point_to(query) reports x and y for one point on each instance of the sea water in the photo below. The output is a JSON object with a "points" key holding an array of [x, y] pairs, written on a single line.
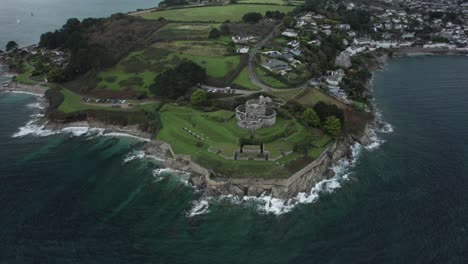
{"points": [[81, 197]]}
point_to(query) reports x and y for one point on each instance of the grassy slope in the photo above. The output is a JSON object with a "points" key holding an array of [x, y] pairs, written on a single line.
{"points": [[276, 2], [222, 136], [23, 78], [214, 13], [150, 62], [244, 80], [313, 96], [72, 103], [185, 30], [267, 79]]}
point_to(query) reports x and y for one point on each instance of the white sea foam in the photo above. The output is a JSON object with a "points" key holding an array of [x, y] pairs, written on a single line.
{"points": [[37, 105], [135, 155], [21, 92], [118, 134], [270, 205], [81, 131], [199, 207], [32, 128]]}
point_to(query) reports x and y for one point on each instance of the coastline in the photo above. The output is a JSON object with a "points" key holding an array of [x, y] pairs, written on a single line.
{"points": [[303, 186]]}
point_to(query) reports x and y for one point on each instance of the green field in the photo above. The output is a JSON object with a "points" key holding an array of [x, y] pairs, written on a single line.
{"points": [[221, 134], [285, 94], [23, 78], [244, 80], [313, 96], [275, 2], [184, 30], [72, 102], [138, 70], [267, 78], [214, 13]]}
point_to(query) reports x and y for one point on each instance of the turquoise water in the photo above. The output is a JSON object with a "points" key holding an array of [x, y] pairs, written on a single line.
{"points": [[74, 199], [25, 20]]}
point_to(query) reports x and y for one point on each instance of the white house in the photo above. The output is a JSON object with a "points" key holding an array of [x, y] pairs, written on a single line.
{"points": [[243, 50], [290, 33]]}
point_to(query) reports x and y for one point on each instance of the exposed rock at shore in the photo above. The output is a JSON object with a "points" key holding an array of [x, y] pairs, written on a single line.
{"points": [[302, 181]]}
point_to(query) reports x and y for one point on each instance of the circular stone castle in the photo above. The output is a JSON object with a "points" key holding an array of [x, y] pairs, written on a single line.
{"points": [[255, 114]]}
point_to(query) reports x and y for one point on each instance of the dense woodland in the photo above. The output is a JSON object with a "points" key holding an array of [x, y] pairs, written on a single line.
{"points": [[94, 44]]}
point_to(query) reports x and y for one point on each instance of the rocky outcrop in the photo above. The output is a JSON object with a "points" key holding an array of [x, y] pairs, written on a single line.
{"points": [[302, 181]]}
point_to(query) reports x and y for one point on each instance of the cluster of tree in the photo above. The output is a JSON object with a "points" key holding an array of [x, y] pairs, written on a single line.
{"points": [[11, 45], [289, 22], [176, 82], [359, 19], [214, 33], [331, 124], [314, 5], [325, 110], [224, 29], [321, 58], [326, 116], [166, 3], [277, 15], [252, 17], [83, 55], [357, 77]]}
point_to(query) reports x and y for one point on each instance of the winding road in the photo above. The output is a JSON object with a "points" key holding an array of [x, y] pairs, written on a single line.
{"points": [[252, 56]]}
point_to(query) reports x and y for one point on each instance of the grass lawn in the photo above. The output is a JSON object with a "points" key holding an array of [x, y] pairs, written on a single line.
{"points": [[139, 69], [23, 78], [286, 94], [276, 2], [313, 96], [215, 13], [266, 78], [211, 55], [220, 133], [244, 80], [185, 30], [72, 103]]}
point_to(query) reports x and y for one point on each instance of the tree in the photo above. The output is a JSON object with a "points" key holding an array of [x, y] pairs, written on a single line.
{"points": [[176, 82], [289, 21], [56, 75], [199, 97], [325, 110], [332, 125], [310, 117], [214, 33], [252, 17], [225, 30], [11, 45]]}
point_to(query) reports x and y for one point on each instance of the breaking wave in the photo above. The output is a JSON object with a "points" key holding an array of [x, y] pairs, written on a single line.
{"points": [[342, 172], [36, 127]]}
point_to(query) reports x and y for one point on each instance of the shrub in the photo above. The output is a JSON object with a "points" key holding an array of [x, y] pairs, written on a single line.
{"points": [[252, 17], [310, 117], [332, 125], [214, 33], [110, 79], [199, 97], [176, 82]]}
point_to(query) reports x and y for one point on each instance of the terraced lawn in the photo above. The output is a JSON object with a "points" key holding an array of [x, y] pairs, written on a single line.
{"points": [[139, 69], [184, 30], [218, 14], [221, 134]]}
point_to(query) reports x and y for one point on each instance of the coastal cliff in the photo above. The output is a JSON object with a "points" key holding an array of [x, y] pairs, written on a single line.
{"points": [[302, 181]]}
